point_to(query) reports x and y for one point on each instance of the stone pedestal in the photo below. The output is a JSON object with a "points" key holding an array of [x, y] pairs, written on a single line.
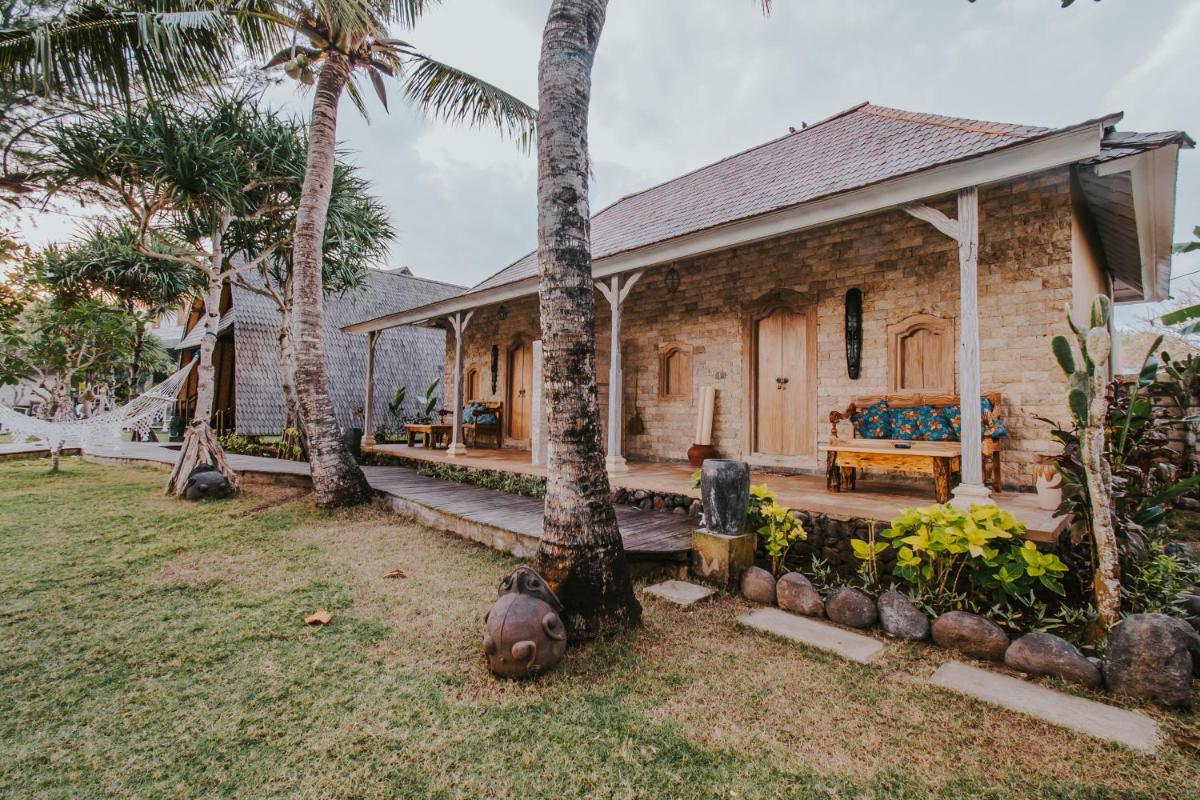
{"points": [[720, 558]]}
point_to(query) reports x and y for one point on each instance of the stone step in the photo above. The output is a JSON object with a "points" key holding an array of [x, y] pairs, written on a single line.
{"points": [[1135, 731], [814, 633], [681, 593]]}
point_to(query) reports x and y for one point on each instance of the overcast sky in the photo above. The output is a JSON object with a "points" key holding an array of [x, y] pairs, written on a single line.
{"points": [[681, 83]]}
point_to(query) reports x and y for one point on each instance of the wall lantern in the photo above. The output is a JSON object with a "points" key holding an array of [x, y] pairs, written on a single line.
{"points": [[502, 312], [672, 280]]}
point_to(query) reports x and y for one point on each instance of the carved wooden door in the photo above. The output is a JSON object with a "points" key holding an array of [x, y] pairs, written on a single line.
{"points": [[520, 391], [783, 417]]}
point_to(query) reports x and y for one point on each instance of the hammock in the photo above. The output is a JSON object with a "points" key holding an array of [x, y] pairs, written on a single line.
{"points": [[140, 414]]}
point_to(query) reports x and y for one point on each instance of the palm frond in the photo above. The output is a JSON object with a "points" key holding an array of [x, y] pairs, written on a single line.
{"points": [[455, 96]]}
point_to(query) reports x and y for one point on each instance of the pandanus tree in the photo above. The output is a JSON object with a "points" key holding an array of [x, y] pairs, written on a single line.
{"points": [[323, 43], [357, 231], [106, 264], [192, 180]]}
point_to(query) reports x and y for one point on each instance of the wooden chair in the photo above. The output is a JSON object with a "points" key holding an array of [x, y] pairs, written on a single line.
{"points": [[840, 476], [471, 430]]}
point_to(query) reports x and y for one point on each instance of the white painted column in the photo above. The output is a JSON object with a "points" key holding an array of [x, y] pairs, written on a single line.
{"points": [[539, 435], [971, 490], [965, 231], [615, 292], [458, 323], [369, 391]]}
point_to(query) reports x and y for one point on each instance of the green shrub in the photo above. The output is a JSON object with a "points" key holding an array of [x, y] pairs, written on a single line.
{"points": [[1154, 580], [954, 558], [780, 531]]}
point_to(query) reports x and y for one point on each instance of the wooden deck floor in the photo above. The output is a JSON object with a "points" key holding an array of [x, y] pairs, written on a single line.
{"points": [[873, 499], [507, 522]]}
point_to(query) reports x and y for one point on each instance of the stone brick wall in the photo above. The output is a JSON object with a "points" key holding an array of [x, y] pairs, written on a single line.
{"points": [[903, 266]]}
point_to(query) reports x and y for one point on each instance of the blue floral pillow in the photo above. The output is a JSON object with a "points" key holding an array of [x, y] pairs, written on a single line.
{"points": [[904, 422], [995, 428], [932, 425], [874, 423], [486, 417], [472, 412]]}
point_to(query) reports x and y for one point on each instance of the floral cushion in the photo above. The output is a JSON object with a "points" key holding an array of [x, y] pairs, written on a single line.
{"points": [[873, 423], [472, 411], [995, 428], [904, 422], [932, 425], [486, 418]]}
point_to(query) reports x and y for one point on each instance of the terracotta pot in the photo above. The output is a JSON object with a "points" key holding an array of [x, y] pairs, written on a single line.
{"points": [[697, 454]]}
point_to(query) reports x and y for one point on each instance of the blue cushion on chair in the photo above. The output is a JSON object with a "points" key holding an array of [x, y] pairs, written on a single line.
{"points": [[486, 418], [904, 422], [932, 425], [471, 412], [873, 423], [994, 429]]}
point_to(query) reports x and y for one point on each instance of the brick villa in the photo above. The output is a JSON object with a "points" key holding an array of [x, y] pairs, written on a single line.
{"points": [[965, 238]]}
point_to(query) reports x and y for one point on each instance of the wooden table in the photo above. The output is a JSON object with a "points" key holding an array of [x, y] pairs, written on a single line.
{"points": [[431, 435], [936, 459]]}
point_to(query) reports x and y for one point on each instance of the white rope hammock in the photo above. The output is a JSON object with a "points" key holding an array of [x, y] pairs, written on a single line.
{"points": [[140, 414]]}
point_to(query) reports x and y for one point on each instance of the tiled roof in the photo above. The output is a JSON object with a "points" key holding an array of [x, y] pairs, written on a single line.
{"points": [[408, 356], [861, 146]]}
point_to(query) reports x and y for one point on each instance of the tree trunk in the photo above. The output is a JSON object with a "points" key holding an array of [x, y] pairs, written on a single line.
{"points": [[337, 478], [1106, 582], [581, 554], [292, 418], [200, 445]]}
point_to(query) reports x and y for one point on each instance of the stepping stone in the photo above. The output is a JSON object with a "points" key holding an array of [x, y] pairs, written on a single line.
{"points": [[681, 593], [814, 633], [1135, 731]]}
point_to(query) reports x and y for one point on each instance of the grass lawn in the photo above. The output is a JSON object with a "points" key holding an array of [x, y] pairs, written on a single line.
{"points": [[154, 648]]}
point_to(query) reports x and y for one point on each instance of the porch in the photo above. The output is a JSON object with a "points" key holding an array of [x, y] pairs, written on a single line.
{"points": [[874, 498]]}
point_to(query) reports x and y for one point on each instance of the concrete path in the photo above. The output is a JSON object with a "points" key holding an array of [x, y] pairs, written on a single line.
{"points": [[681, 593], [814, 633], [1135, 731], [506, 522]]}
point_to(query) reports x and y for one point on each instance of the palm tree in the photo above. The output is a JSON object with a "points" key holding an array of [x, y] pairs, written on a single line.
{"points": [[581, 554], [357, 232], [189, 40]]}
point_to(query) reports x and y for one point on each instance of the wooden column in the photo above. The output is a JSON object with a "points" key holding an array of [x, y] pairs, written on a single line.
{"points": [[538, 434], [369, 392], [965, 231], [458, 323], [615, 291]]}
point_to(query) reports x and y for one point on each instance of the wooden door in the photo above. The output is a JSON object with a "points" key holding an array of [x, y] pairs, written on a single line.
{"points": [[783, 414], [520, 391], [472, 385]]}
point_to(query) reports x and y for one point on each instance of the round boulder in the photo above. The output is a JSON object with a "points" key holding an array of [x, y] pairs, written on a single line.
{"points": [[901, 619], [758, 585], [852, 607], [1047, 654], [797, 595], [971, 635], [206, 482], [1151, 656]]}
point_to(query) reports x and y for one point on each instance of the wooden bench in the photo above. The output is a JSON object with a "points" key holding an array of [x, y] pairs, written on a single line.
{"points": [[845, 457], [472, 430]]}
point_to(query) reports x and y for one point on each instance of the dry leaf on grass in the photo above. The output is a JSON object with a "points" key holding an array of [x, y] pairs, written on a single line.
{"points": [[1187, 743], [318, 617], [396, 573]]}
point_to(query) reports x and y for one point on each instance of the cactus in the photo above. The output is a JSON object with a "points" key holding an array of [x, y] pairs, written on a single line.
{"points": [[1089, 407]]}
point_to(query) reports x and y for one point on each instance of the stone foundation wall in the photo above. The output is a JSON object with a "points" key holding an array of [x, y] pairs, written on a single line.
{"points": [[903, 267]]}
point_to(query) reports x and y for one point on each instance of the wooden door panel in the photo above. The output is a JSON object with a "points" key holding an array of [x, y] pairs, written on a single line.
{"points": [[794, 369], [769, 417], [784, 414], [520, 386]]}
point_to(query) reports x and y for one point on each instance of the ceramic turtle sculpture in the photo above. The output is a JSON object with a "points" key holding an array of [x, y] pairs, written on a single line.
{"points": [[524, 634]]}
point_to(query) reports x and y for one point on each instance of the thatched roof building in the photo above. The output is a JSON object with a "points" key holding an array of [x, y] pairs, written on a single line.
{"points": [[249, 394]]}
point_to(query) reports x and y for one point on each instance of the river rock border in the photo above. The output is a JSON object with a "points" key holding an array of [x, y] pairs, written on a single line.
{"points": [[1149, 656]]}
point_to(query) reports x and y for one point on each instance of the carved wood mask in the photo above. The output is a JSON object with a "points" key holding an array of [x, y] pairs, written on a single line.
{"points": [[853, 333], [495, 367]]}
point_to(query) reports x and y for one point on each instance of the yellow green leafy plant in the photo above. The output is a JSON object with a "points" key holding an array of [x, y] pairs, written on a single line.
{"points": [[778, 533], [943, 550]]}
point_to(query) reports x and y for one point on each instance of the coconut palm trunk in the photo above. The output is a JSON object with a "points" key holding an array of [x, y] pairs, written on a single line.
{"points": [[581, 554], [337, 479]]}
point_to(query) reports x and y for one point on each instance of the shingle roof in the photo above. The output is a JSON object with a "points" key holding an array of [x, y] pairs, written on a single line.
{"points": [[863, 145], [410, 357]]}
